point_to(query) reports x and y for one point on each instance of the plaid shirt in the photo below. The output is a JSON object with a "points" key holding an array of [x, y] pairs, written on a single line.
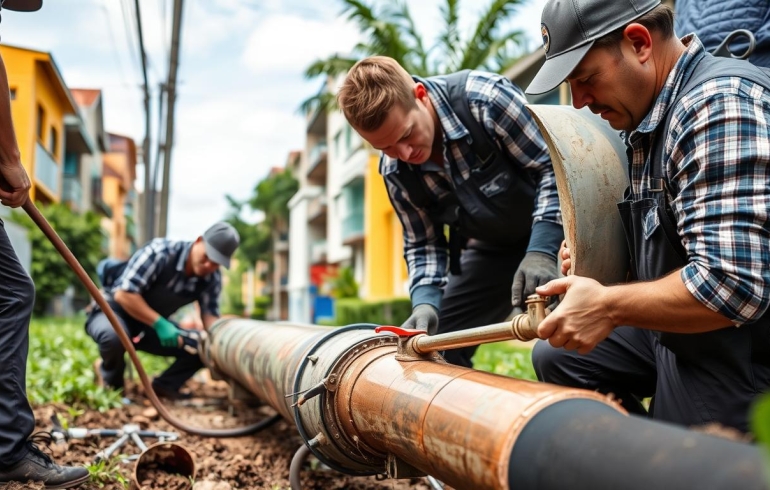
{"points": [[717, 155], [498, 105], [148, 262]]}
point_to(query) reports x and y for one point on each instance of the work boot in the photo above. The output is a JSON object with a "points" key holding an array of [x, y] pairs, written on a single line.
{"points": [[169, 393], [37, 466]]}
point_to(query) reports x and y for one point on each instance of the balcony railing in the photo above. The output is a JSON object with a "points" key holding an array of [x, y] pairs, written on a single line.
{"points": [[97, 200], [316, 157], [318, 251], [353, 226], [316, 207], [46, 169], [72, 191]]}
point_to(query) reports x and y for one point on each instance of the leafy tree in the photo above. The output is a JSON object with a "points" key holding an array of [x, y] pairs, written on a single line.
{"points": [[51, 274], [272, 195], [255, 238], [389, 30]]}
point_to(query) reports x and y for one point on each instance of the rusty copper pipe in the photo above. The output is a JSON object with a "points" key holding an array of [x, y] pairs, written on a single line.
{"points": [[454, 423], [34, 213], [366, 412], [364, 406]]}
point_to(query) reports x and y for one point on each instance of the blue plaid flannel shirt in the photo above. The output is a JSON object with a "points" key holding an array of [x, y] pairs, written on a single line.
{"points": [[147, 263], [498, 105], [717, 166]]}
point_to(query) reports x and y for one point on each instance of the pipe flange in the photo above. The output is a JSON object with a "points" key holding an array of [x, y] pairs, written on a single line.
{"points": [[353, 446], [313, 441]]}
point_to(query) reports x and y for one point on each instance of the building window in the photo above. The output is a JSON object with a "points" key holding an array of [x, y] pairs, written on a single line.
{"points": [[40, 122], [13, 93], [53, 141]]}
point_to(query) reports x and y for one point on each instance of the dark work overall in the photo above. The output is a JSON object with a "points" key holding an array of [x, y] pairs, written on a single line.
{"points": [[17, 296], [161, 298], [695, 378], [493, 210]]}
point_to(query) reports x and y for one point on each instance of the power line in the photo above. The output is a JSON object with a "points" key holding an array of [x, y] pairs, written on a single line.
{"points": [[116, 51], [128, 22]]}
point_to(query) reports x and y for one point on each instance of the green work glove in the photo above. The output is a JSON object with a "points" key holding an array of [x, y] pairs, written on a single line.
{"points": [[167, 332]]}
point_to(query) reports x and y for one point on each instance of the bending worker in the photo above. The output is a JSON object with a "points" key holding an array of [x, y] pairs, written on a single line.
{"points": [[157, 280], [693, 330], [460, 150]]}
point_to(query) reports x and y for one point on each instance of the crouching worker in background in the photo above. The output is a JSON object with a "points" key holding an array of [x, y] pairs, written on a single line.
{"points": [[155, 282]]}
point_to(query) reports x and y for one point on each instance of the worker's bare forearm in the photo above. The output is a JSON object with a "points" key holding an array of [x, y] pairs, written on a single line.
{"points": [[136, 307], [9, 149], [208, 320], [664, 304]]}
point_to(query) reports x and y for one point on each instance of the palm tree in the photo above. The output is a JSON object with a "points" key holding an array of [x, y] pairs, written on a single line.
{"points": [[390, 31], [272, 195], [256, 239]]}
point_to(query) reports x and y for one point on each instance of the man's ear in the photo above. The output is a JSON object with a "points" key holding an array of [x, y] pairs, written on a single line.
{"points": [[640, 40], [420, 92]]}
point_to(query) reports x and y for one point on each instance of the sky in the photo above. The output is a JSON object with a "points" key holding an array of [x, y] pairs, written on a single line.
{"points": [[240, 79]]}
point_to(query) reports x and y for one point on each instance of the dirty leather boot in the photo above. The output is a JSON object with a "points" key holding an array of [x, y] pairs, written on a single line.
{"points": [[37, 466]]}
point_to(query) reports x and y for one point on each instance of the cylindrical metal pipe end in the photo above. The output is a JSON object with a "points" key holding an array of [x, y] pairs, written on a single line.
{"points": [[168, 458]]}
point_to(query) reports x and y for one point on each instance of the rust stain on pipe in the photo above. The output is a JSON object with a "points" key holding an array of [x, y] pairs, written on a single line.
{"points": [[454, 423]]}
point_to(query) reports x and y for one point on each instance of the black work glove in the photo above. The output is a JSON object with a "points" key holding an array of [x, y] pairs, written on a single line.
{"points": [[536, 269], [424, 317]]}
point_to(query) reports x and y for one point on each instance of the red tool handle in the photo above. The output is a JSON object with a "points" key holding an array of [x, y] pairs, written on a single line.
{"points": [[401, 332]]}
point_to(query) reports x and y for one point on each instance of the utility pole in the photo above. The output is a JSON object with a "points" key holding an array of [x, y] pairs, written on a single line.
{"points": [[156, 168], [170, 100], [146, 230]]}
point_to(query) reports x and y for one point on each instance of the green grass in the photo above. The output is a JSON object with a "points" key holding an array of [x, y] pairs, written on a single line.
{"points": [[59, 366], [505, 359]]}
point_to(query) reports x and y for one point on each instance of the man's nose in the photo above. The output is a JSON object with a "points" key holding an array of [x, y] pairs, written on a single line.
{"points": [[579, 95], [404, 151]]}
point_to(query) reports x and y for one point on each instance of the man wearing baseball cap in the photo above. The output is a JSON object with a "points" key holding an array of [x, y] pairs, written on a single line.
{"points": [[21, 459], [152, 285], [695, 216]]}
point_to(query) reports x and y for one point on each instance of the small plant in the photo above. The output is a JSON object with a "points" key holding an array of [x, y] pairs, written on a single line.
{"points": [[60, 367], [104, 472], [505, 359]]}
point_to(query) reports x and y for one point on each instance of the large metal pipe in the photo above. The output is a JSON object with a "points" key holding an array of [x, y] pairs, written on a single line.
{"points": [[362, 409]]}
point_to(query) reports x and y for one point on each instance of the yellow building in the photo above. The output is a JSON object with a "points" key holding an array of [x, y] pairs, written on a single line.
{"points": [[385, 274], [118, 175], [40, 102]]}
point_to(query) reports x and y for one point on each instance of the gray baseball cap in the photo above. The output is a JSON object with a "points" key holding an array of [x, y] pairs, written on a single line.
{"points": [[221, 240], [21, 5], [569, 29]]}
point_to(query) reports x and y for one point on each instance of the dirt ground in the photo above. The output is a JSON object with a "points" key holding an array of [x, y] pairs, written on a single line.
{"points": [[260, 461]]}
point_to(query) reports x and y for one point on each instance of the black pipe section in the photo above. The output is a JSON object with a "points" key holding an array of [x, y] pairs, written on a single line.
{"points": [[584, 445]]}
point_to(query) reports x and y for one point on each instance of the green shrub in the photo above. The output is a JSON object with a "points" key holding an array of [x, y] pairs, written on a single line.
{"points": [[389, 312], [60, 365], [505, 359]]}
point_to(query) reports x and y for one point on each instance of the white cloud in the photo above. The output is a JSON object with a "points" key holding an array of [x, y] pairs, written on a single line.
{"points": [[288, 43]]}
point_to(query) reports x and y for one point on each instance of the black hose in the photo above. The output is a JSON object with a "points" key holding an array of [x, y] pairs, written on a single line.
{"points": [[296, 467], [585, 445]]}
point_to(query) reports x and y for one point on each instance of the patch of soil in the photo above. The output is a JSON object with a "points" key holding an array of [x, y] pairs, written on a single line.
{"points": [[260, 461]]}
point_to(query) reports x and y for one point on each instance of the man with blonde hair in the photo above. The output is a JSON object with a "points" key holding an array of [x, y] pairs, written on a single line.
{"points": [[460, 151]]}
